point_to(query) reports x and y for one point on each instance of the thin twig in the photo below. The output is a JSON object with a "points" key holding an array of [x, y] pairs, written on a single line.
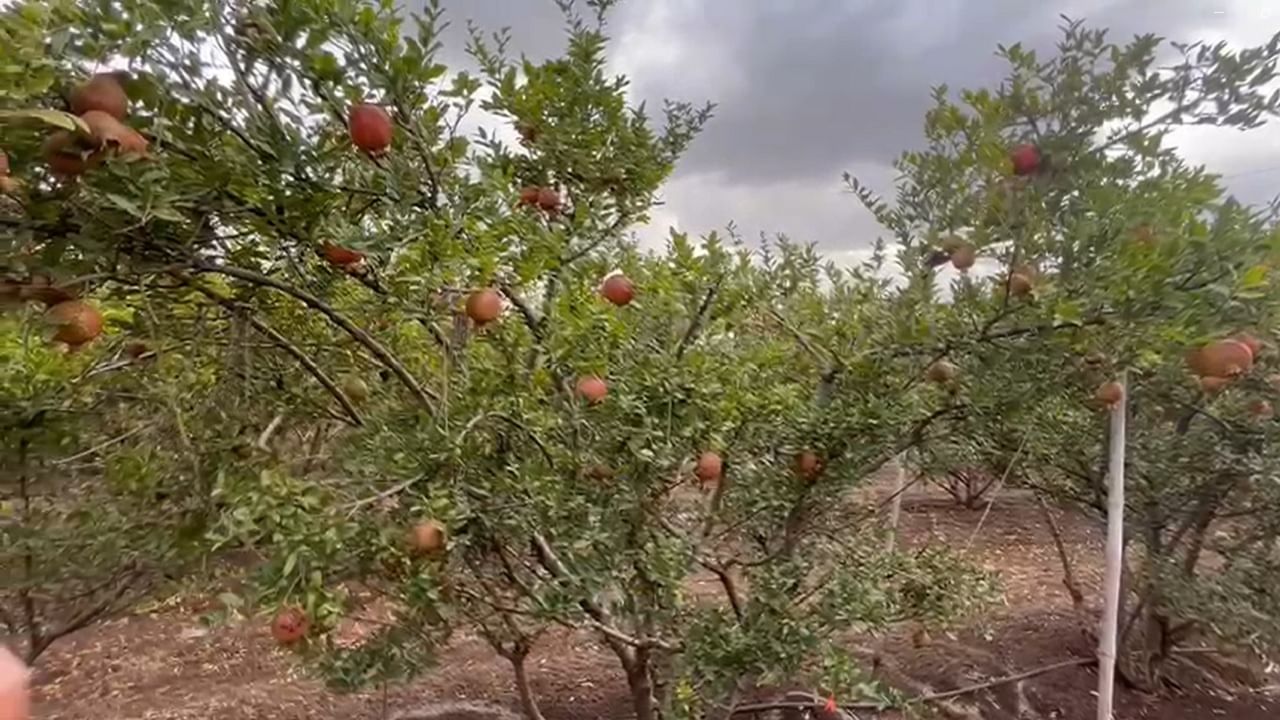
{"points": [[268, 431], [394, 489], [103, 445], [924, 698], [992, 500]]}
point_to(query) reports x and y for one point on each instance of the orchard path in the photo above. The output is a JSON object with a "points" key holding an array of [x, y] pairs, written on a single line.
{"points": [[166, 665]]}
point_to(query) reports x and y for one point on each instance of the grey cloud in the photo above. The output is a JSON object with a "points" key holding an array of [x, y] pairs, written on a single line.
{"points": [[828, 83], [809, 88]]}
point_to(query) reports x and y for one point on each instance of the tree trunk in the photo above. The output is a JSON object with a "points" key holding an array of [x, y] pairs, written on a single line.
{"points": [[528, 702], [638, 680], [1068, 576]]}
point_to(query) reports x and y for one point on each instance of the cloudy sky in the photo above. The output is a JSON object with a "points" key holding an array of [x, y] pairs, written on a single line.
{"points": [[807, 89]]}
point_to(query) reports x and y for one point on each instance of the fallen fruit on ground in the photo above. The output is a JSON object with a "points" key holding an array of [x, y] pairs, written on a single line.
{"points": [[428, 537], [618, 290], [709, 467], [1025, 159], [964, 256], [4, 163], [940, 372], [76, 322], [592, 389], [289, 626], [807, 465], [370, 128], [1261, 410], [102, 93], [1221, 359], [355, 388], [1109, 393], [484, 306]]}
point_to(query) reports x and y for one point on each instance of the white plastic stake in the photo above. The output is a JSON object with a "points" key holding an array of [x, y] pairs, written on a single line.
{"points": [[895, 507], [1115, 557]]}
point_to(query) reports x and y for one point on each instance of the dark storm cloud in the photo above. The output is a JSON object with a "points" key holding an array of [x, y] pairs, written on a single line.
{"points": [[809, 88], [827, 83]]}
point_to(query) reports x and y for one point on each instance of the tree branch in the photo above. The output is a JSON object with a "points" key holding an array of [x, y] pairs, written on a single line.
{"points": [[284, 344], [695, 325], [426, 397]]}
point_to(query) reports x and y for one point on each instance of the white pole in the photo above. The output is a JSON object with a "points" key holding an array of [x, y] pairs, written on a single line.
{"points": [[1115, 557], [895, 508]]}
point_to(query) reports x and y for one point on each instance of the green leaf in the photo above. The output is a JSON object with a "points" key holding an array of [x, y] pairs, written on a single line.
{"points": [[125, 204], [1254, 277], [56, 118]]}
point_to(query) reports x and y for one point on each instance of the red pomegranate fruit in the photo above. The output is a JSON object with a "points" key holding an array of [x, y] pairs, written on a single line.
{"points": [[807, 465], [370, 128], [67, 154], [940, 372], [1020, 284], [592, 389], [341, 257], [1109, 393], [111, 134], [1249, 341], [548, 199], [1221, 359], [529, 195], [618, 290], [709, 467], [76, 322], [964, 256], [102, 93], [428, 537], [484, 306], [1025, 159], [290, 626]]}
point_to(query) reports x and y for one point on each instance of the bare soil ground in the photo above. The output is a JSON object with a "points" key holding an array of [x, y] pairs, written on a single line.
{"points": [[165, 664]]}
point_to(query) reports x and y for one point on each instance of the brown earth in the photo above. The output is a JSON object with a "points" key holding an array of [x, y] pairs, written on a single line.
{"points": [[166, 664]]}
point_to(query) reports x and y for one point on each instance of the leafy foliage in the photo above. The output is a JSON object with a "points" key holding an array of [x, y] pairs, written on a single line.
{"points": [[319, 389]]}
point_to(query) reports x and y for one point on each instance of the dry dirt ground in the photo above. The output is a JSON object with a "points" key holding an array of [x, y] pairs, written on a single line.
{"points": [[167, 665]]}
